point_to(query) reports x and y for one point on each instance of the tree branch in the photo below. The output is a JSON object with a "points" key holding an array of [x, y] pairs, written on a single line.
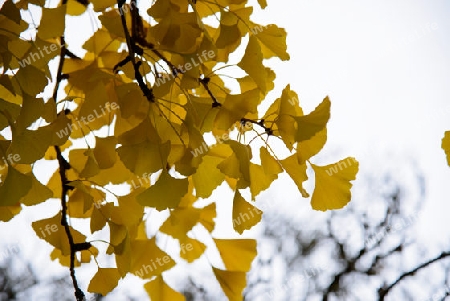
{"points": [[148, 93], [63, 166], [383, 292]]}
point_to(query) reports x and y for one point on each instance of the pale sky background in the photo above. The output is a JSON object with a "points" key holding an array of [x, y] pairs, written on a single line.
{"points": [[385, 66]]}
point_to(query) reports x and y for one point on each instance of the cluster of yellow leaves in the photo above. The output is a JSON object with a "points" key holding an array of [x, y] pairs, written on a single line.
{"points": [[154, 127]]}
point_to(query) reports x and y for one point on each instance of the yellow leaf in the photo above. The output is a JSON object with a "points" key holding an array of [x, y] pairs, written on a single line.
{"points": [[91, 168], [16, 186], [263, 175], [117, 233], [446, 145], [98, 220], [207, 176], [37, 194], [273, 42], [60, 127], [32, 109], [51, 230], [236, 107], [281, 115], [308, 148], [142, 151], [147, 259], [52, 22], [229, 248], [129, 212], [97, 110], [207, 217], [333, 185], [232, 283], [314, 122], [8, 212], [30, 146], [262, 3], [245, 215], [229, 34], [157, 289], [11, 11], [166, 193], [252, 63], [243, 155], [75, 8], [105, 151], [100, 5], [104, 281], [180, 222], [191, 249], [297, 172], [31, 79]]}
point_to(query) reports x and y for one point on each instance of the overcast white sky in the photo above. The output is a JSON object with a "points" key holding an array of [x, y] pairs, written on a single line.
{"points": [[385, 66]]}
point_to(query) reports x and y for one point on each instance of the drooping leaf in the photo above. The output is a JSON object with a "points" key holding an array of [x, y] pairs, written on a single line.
{"points": [[104, 281], [314, 122], [232, 283], [157, 289], [245, 215], [333, 185], [166, 193], [246, 248]]}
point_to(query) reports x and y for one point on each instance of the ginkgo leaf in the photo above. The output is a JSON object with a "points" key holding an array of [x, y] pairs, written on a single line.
{"points": [[91, 168], [297, 172], [15, 186], [273, 42], [232, 283], [314, 122], [8, 212], [98, 220], [207, 176], [252, 63], [38, 193], [104, 281], [10, 10], [166, 193], [309, 148], [105, 151], [157, 289], [246, 248], [245, 215], [129, 212], [191, 249], [263, 175], [75, 8], [236, 107], [180, 222], [51, 230], [281, 115], [262, 3], [145, 157], [117, 233], [229, 34], [207, 216], [333, 185], [30, 145], [31, 79], [446, 145], [52, 23], [147, 259]]}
